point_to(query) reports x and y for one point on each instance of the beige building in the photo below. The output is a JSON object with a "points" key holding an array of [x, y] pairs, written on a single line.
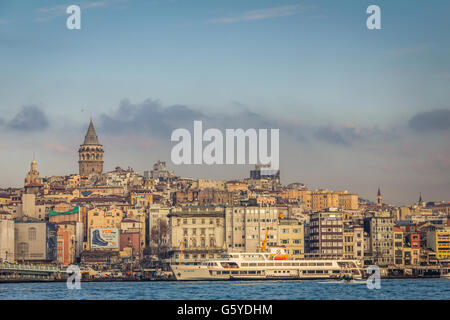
{"points": [[30, 209], [317, 200], [35, 241], [353, 242], [102, 218], [291, 235], [236, 186], [380, 227], [198, 231], [201, 184], [7, 250], [246, 227]]}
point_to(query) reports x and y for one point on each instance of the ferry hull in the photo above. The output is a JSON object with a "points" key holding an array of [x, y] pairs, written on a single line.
{"points": [[200, 273]]}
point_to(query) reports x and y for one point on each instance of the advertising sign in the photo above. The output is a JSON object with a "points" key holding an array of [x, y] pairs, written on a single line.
{"points": [[104, 238]]}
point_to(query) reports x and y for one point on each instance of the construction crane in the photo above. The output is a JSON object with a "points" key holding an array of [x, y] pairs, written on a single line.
{"points": [[264, 246]]}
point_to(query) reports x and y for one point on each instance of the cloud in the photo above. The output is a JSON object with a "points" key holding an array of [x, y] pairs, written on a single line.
{"points": [[148, 117], [261, 14], [428, 121], [332, 136], [151, 117], [29, 118], [411, 50], [59, 149], [49, 13], [347, 135]]}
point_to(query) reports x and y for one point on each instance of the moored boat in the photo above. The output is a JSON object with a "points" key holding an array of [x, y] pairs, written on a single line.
{"points": [[266, 266]]}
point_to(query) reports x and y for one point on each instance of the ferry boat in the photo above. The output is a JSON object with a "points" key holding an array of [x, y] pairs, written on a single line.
{"points": [[267, 266]]}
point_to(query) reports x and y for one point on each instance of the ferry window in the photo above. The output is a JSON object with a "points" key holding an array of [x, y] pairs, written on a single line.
{"points": [[252, 264], [252, 272], [243, 272], [269, 264], [279, 264], [296, 264], [311, 264], [244, 264]]}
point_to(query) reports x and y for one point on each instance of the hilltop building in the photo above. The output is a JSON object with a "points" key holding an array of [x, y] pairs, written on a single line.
{"points": [[90, 154]]}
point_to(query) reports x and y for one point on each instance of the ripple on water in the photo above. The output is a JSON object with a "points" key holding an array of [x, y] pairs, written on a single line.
{"points": [[234, 290]]}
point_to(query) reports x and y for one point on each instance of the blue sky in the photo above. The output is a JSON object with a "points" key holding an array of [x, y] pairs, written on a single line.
{"points": [[310, 67]]}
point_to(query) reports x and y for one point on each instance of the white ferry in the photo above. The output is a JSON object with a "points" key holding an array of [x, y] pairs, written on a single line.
{"points": [[267, 266]]}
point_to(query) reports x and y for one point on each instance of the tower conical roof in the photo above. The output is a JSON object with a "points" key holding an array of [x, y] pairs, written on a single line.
{"points": [[91, 137], [379, 192]]}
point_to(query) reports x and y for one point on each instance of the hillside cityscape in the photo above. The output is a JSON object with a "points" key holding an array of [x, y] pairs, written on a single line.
{"points": [[138, 224]]}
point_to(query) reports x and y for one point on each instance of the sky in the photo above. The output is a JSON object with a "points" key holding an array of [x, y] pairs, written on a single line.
{"points": [[357, 109]]}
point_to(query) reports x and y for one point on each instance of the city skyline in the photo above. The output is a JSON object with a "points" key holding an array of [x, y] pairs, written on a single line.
{"points": [[356, 109]]}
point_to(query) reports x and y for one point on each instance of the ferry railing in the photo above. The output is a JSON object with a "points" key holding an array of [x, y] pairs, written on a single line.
{"points": [[25, 267]]}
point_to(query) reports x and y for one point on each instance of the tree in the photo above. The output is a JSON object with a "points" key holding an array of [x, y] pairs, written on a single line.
{"points": [[159, 235]]}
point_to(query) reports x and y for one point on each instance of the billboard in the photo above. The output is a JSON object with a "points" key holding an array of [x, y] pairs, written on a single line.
{"points": [[104, 238]]}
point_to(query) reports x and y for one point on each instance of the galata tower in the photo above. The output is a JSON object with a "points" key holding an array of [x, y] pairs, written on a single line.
{"points": [[90, 154]]}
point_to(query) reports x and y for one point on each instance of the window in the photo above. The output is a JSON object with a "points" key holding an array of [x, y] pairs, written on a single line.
{"points": [[23, 250], [32, 233]]}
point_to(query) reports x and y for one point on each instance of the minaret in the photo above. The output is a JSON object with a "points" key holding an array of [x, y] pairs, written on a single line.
{"points": [[421, 203], [379, 198], [33, 175], [90, 159], [33, 183]]}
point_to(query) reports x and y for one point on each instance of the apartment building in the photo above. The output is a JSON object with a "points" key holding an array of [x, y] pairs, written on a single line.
{"points": [[197, 232], [291, 235], [380, 227], [246, 227], [326, 234]]}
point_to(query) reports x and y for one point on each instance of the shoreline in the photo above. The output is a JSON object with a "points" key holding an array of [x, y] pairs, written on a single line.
{"points": [[173, 280]]}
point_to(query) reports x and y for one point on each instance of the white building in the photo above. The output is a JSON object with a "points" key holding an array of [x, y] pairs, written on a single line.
{"points": [[7, 239]]}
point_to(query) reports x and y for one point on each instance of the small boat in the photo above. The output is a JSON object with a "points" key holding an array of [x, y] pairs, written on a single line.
{"points": [[445, 273]]}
